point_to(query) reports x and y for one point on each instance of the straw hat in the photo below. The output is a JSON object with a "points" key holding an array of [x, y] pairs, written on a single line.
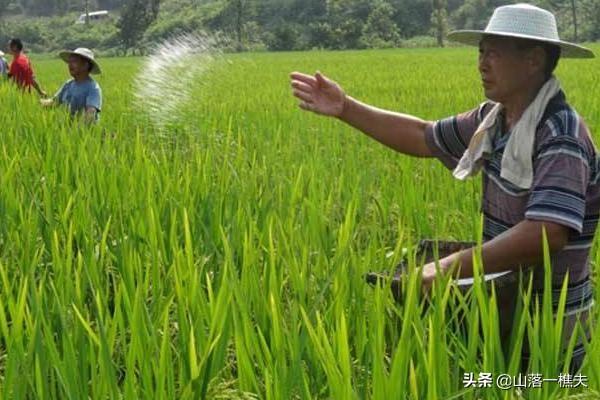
{"points": [[523, 21], [85, 53]]}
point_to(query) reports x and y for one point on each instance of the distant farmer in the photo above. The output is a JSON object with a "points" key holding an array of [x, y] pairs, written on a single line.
{"points": [[540, 168], [3, 66], [21, 71], [82, 94]]}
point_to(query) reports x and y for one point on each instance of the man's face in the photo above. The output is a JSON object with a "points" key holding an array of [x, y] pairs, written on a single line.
{"points": [[505, 70], [12, 49], [78, 66]]}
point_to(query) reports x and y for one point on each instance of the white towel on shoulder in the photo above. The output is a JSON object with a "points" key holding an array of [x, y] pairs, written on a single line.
{"points": [[516, 166]]}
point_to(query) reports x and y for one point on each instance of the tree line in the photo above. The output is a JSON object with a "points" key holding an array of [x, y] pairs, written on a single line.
{"points": [[276, 24]]}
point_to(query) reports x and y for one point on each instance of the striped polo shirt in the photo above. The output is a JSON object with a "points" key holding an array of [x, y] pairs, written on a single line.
{"points": [[565, 190]]}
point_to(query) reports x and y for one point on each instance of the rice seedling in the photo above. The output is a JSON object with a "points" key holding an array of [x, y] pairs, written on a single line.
{"points": [[225, 258]]}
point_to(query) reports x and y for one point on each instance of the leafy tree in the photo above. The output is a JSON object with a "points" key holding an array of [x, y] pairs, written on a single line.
{"points": [[568, 12], [413, 17], [380, 29], [284, 37], [320, 35], [346, 19], [327, 24], [591, 9], [136, 17], [439, 20], [235, 16], [3, 6]]}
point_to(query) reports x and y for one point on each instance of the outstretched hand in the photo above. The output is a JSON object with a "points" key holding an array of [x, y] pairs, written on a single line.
{"points": [[318, 94]]}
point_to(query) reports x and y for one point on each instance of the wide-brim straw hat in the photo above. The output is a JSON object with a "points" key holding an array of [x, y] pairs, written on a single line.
{"points": [[85, 53], [526, 22]]}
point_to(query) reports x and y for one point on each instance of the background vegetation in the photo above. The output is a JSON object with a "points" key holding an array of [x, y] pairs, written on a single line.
{"points": [[48, 25]]}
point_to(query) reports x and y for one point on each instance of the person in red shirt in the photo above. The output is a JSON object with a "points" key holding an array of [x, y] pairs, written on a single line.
{"points": [[20, 70]]}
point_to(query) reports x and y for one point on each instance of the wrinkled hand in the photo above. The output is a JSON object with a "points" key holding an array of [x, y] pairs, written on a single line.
{"points": [[429, 274], [318, 94]]}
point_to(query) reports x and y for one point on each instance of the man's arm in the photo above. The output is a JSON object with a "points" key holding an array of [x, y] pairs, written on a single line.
{"points": [[519, 246], [93, 104], [54, 100], [38, 88], [401, 132], [11, 70], [89, 116]]}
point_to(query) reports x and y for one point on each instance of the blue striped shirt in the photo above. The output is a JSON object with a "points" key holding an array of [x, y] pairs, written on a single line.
{"points": [[565, 189]]}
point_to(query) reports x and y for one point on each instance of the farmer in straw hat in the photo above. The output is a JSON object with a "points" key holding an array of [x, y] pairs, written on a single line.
{"points": [[540, 169], [82, 94]]}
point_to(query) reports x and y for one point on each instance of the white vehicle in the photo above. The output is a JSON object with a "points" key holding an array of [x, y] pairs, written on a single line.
{"points": [[94, 16]]}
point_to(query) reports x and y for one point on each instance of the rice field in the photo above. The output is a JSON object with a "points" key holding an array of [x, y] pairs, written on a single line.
{"points": [[223, 258]]}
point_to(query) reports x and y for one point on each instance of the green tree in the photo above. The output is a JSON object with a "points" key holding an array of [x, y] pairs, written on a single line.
{"points": [[439, 21], [380, 29], [319, 35], [284, 37], [3, 6], [136, 17], [235, 16], [346, 19], [413, 17], [567, 12], [591, 9], [474, 14]]}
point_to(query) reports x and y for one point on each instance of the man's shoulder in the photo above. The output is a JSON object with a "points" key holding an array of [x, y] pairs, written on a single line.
{"points": [[86, 86], [68, 83], [22, 59], [560, 119], [92, 84], [96, 85], [18, 61], [562, 127]]}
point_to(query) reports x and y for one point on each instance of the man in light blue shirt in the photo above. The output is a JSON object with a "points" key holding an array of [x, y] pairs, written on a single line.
{"points": [[82, 94]]}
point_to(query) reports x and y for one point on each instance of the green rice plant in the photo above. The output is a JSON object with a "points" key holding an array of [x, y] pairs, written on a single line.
{"points": [[225, 260]]}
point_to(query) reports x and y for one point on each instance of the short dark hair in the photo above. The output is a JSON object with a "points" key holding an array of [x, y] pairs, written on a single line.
{"points": [[552, 53], [16, 43]]}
